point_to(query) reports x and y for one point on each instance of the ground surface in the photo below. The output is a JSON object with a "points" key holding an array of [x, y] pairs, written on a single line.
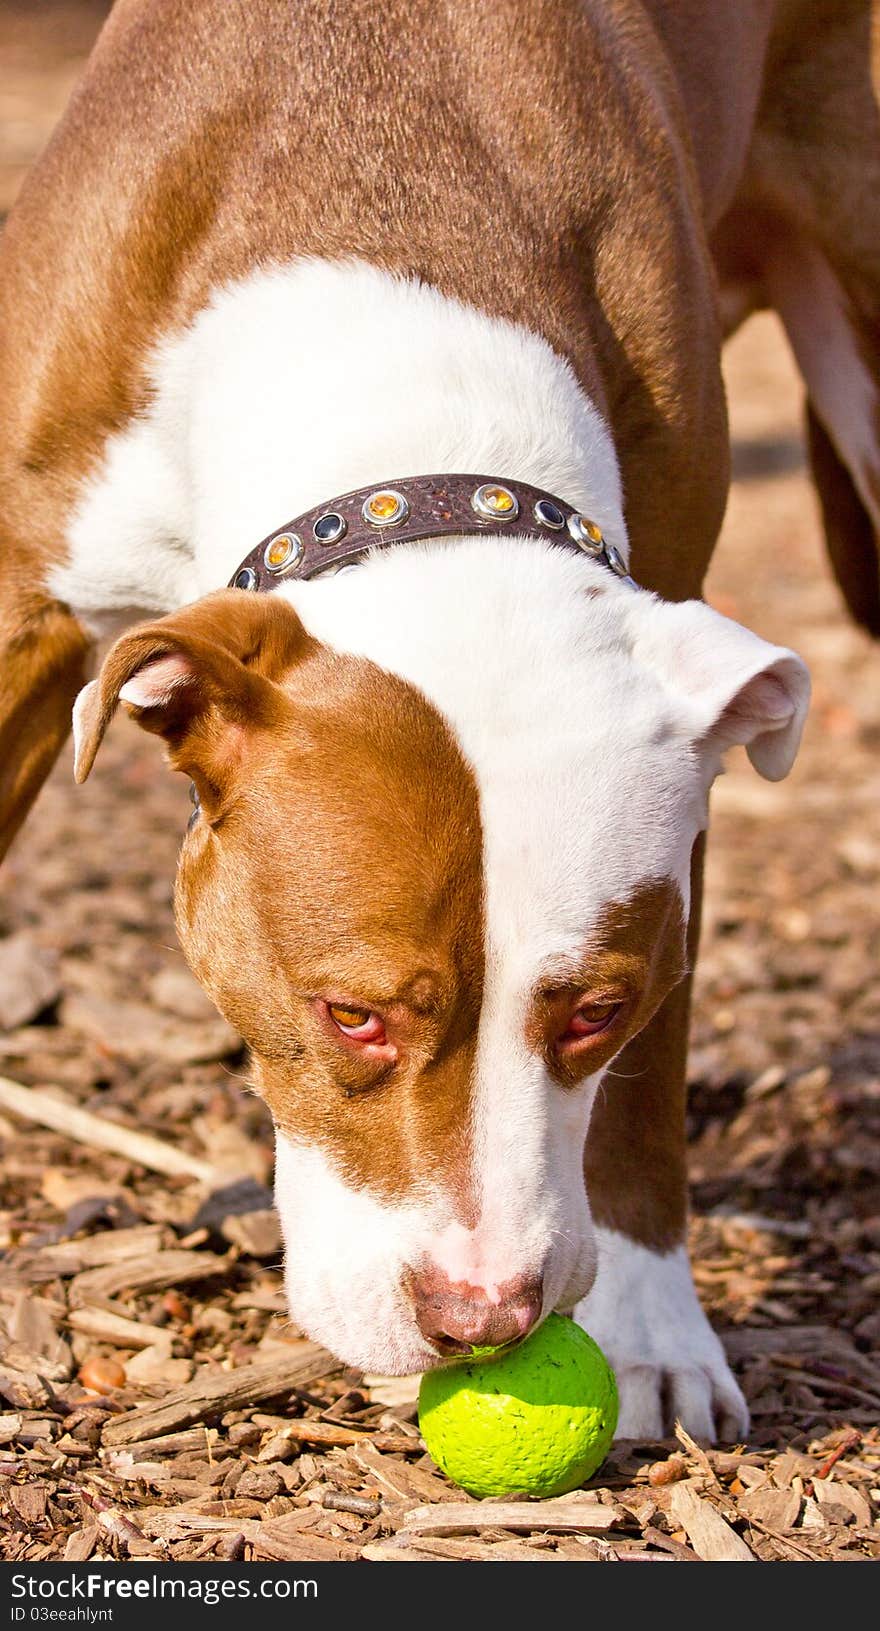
{"points": [[220, 1432]]}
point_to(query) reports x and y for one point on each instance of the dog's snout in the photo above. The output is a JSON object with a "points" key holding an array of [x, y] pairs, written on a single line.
{"points": [[456, 1317]]}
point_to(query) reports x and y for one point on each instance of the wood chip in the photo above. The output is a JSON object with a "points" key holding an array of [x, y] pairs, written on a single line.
{"points": [[257, 1233], [29, 980], [777, 1508], [406, 1548], [31, 1326], [846, 1495], [24, 1390], [393, 1551], [667, 1544], [274, 1542], [116, 1329], [395, 1391], [696, 1453], [81, 1543], [29, 1501], [73, 1256], [135, 1031], [209, 1395], [201, 1440], [403, 1483], [570, 1516], [10, 1426], [278, 1540], [141, 1148], [305, 1431], [710, 1535], [24, 1361], [151, 1273], [155, 1364]]}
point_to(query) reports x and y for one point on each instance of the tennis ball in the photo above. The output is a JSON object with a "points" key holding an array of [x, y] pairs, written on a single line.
{"points": [[538, 1418]]}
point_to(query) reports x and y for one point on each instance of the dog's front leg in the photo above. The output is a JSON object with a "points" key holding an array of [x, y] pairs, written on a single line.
{"points": [[643, 1309], [44, 654]]}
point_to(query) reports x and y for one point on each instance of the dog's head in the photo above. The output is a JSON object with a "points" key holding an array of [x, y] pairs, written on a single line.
{"points": [[438, 876]]}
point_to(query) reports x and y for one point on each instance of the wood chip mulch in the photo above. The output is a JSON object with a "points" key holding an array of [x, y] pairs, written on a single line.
{"points": [[222, 1434]]}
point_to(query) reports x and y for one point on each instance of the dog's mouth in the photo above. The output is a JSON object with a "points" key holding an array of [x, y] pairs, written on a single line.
{"points": [[452, 1350]]}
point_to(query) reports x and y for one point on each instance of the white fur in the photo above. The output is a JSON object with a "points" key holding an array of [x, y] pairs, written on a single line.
{"points": [[81, 710], [303, 382], [587, 788], [344, 1255], [154, 685], [131, 546], [730, 685], [644, 1313], [346, 1250]]}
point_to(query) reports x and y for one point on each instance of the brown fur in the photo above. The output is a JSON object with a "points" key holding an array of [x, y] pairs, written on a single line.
{"points": [[43, 663], [635, 1159], [337, 856], [635, 955]]}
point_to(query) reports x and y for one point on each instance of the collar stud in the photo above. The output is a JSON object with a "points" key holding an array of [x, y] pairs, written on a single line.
{"points": [[282, 552], [586, 534], [548, 514], [495, 503], [330, 527], [385, 508]]}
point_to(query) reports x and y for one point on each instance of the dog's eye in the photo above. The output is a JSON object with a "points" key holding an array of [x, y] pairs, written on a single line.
{"points": [[590, 1019], [362, 1024]]}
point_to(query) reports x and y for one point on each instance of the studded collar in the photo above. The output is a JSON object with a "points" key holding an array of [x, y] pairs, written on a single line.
{"points": [[335, 536]]}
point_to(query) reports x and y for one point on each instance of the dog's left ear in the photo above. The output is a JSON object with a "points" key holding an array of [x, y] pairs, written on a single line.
{"points": [[732, 686]]}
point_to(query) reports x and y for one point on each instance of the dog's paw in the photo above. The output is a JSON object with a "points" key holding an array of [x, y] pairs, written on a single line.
{"points": [[645, 1315]]}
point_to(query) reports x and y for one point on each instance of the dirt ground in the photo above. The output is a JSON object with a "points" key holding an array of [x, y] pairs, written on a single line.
{"points": [[211, 1428]]}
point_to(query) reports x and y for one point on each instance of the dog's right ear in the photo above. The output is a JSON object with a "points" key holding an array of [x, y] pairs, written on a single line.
{"points": [[198, 677]]}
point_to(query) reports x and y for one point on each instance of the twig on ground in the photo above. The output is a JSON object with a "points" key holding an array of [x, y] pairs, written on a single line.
{"points": [[585, 1517], [34, 1104], [848, 1443]]}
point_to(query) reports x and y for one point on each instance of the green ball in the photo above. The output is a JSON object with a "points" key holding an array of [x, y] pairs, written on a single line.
{"points": [[537, 1419]]}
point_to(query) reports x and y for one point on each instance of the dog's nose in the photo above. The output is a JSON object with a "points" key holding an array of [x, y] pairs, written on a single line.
{"points": [[457, 1317]]}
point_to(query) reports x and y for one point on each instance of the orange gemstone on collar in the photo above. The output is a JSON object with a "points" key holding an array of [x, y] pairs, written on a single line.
{"points": [[494, 502], [498, 498], [283, 552], [278, 552], [383, 506]]}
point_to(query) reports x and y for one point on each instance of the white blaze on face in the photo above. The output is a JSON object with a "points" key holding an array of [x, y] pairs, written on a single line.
{"points": [[585, 793], [345, 1253], [594, 718]]}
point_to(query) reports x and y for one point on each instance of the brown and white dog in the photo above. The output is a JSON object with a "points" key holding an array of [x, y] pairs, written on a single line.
{"points": [[452, 802]]}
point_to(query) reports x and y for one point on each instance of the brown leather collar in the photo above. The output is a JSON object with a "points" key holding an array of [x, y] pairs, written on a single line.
{"points": [[338, 534]]}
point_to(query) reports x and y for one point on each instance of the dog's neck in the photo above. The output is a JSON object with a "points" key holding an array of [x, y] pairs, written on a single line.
{"points": [[311, 380]]}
